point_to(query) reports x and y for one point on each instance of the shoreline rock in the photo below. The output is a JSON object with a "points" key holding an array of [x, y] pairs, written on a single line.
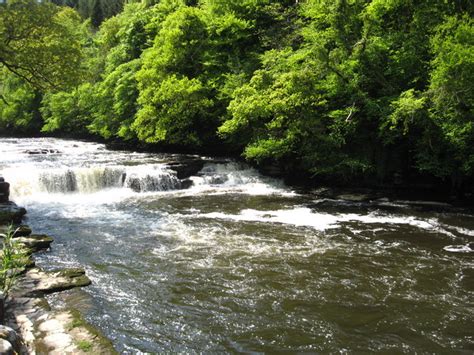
{"points": [[29, 324], [37, 283], [11, 213], [35, 242], [4, 190]]}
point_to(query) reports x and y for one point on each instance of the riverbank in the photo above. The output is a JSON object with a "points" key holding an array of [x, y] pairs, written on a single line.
{"points": [[29, 324]]}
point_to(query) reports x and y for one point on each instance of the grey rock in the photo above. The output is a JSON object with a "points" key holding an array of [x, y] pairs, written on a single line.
{"points": [[47, 282], [11, 213], [6, 347], [4, 190], [10, 335]]}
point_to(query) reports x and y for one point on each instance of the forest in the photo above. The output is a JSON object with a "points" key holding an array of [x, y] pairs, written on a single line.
{"points": [[342, 91]]}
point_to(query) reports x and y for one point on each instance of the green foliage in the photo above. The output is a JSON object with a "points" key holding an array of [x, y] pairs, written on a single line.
{"points": [[116, 102], [69, 112], [84, 345], [14, 258], [40, 44], [175, 112], [173, 101], [452, 90], [178, 47], [19, 105]]}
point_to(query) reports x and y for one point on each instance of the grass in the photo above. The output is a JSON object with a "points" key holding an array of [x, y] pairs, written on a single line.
{"points": [[77, 322], [14, 258], [84, 345]]}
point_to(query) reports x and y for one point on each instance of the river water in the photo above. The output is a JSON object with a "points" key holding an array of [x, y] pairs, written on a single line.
{"points": [[239, 262]]}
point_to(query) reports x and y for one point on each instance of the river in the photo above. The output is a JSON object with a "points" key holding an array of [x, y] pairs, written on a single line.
{"points": [[239, 262]]}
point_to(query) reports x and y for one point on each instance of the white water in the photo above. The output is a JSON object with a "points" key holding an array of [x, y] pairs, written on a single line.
{"points": [[238, 262]]}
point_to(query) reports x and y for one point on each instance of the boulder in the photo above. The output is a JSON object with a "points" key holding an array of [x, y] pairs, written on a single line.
{"points": [[11, 213], [11, 336], [4, 190], [186, 168], [186, 183], [6, 347]]}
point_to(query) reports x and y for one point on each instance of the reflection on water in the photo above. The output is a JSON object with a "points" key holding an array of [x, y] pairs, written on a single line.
{"points": [[239, 262]]}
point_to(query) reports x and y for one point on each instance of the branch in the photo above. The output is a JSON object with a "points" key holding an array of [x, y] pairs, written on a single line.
{"points": [[4, 100], [351, 113], [17, 71]]}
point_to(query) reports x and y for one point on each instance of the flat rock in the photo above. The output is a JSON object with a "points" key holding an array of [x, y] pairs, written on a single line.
{"points": [[66, 332], [36, 282], [41, 151], [36, 242], [21, 230]]}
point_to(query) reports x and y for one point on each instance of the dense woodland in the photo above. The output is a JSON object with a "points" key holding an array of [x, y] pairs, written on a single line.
{"points": [[366, 91]]}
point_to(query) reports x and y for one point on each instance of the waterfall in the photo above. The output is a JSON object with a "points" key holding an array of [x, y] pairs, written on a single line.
{"points": [[142, 179], [88, 180], [78, 168]]}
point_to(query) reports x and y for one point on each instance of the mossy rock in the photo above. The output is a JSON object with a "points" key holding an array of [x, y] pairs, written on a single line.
{"points": [[68, 330], [46, 282], [99, 344], [36, 242], [66, 279]]}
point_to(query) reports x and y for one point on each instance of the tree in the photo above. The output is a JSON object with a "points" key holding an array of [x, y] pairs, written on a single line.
{"points": [[176, 114], [451, 90], [116, 102], [19, 105], [173, 101], [40, 44], [69, 112]]}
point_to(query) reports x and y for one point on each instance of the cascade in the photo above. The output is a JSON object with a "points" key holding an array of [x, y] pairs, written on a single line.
{"points": [[91, 179]]}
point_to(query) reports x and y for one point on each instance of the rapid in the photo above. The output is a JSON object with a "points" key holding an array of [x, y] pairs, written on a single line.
{"points": [[228, 260]]}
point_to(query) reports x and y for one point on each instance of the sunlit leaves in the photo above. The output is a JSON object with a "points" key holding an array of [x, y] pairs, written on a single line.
{"points": [[174, 113], [40, 43]]}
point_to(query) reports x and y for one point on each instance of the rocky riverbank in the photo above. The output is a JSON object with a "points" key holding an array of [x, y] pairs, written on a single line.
{"points": [[28, 324]]}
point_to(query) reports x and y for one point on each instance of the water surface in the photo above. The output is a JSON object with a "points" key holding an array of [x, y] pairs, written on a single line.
{"points": [[239, 262]]}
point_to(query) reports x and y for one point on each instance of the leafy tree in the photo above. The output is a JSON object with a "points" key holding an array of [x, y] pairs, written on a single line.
{"points": [[19, 105], [173, 101], [452, 93], [116, 102], [38, 43], [69, 112], [176, 113]]}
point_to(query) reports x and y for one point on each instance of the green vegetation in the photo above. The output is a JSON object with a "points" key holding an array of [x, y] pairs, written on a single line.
{"points": [[84, 345], [338, 90], [14, 258], [97, 344]]}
